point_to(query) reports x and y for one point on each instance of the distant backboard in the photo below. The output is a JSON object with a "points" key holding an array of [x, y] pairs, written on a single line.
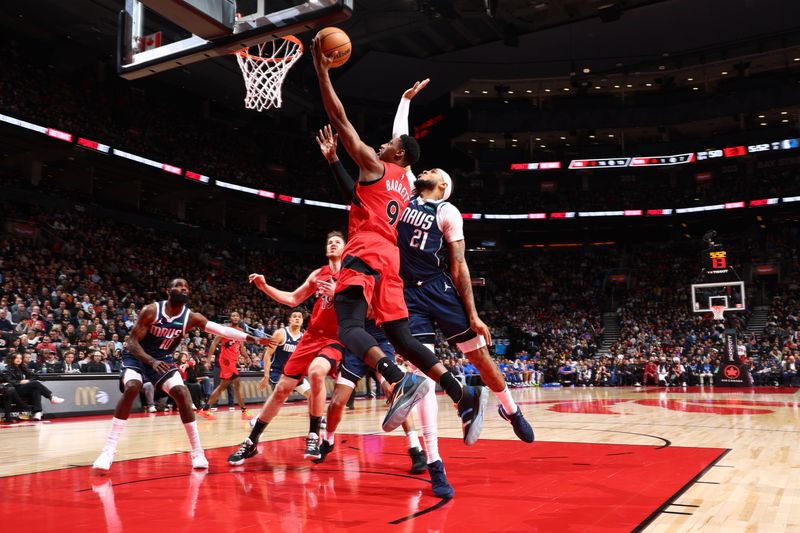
{"points": [[729, 294], [159, 35]]}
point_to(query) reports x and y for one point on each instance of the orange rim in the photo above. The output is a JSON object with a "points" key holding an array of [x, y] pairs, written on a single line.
{"points": [[243, 53]]}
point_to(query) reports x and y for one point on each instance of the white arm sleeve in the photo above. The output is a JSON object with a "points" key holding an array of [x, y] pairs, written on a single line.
{"points": [[225, 331], [450, 222], [400, 126]]}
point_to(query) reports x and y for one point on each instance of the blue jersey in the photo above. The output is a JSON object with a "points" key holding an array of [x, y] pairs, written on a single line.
{"points": [[165, 334], [421, 241], [284, 351]]}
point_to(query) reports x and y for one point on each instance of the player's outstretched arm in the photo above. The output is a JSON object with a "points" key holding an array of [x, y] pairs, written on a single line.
{"points": [[364, 156], [327, 141], [140, 329], [196, 320], [459, 271], [400, 125], [292, 299]]}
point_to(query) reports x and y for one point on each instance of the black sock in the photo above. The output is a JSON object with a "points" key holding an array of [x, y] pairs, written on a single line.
{"points": [[258, 429], [314, 425], [451, 386], [390, 371]]}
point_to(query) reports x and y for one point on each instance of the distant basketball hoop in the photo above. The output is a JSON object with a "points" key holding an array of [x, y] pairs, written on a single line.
{"points": [[264, 67], [718, 311]]}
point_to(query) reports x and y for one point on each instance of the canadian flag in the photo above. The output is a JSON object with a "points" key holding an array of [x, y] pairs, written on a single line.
{"points": [[148, 42]]}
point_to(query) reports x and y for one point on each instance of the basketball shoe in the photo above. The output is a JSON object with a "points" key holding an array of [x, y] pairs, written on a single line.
{"points": [[522, 429], [247, 450], [404, 395], [471, 408], [441, 487], [324, 449], [418, 460], [199, 460], [312, 447], [104, 460]]}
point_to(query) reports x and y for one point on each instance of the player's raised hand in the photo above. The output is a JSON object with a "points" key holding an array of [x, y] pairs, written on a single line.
{"points": [[413, 91], [478, 326], [328, 141], [259, 281], [326, 288], [322, 63]]}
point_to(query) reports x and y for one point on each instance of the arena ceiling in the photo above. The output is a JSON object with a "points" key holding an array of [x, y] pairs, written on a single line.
{"points": [[396, 41]]}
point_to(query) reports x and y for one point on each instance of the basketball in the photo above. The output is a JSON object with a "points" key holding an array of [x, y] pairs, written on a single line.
{"points": [[335, 44]]}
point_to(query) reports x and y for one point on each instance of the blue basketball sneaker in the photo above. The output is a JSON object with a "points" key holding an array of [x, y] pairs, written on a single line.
{"points": [[405, 394], [441, 487], [522, 429], [471, 408]]}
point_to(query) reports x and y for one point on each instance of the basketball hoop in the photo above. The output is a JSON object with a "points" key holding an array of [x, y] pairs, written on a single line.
{"points": [[265, 68], [718, 311]]}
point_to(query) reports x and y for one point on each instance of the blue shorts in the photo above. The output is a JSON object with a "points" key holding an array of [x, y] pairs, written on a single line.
{"points": [[353, 368], [436, 303], [148, 374]]}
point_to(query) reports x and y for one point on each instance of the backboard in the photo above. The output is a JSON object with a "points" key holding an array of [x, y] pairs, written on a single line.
{"points": [[730, 294], [159, 35]]}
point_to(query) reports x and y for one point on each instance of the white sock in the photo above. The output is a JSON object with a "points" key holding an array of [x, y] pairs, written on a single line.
{"points": [[329, 437], [428, 411], [413, 440], [117, 425], [505, 399], [194, 436]]}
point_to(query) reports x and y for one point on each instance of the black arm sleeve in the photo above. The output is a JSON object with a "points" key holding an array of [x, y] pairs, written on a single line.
{"points": [[345, 183]]}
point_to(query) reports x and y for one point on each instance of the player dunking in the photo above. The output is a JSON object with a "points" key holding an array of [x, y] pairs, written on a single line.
{"points": [[317, 354], [228, 370], [147, 358], [275, 357], [370, 270]]}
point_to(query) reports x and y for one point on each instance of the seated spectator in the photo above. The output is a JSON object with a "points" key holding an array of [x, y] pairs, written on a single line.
{"points": [[26, 385], [706, 372], [566, 374], [51, 364], [70, 365], [790, 367], [95, 364], [10, 397], [650, 372]]}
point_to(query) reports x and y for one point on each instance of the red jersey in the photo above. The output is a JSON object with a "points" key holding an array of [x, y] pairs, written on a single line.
{"points": [[229, 349], [377, 207], [323, 316]]}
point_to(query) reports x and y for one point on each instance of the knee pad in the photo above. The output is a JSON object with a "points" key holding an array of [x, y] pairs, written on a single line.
{"points": [[355, 337]]}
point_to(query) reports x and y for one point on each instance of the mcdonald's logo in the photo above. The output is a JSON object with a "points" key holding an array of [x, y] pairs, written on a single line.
{"points": [[86, 396]]}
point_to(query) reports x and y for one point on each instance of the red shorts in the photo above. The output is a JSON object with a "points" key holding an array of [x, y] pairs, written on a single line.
{"points": [[313, 345], [374, 265], [227, 367]]}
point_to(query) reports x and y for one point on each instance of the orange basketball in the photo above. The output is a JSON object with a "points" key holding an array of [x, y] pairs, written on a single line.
{"points": [[335, 44]]}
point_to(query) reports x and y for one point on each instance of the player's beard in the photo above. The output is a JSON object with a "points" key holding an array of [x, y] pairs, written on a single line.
{"points": [[178, 298], [421, 184]]}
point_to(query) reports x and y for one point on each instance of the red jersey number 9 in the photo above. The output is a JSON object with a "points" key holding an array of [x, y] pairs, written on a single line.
{"points": [[393, 212]]}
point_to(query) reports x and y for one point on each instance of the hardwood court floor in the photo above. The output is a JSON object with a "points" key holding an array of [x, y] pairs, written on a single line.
{"points": [[605, 460]]}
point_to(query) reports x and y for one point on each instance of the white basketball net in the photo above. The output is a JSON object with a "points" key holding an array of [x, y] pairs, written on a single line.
{"points": [[718, 311], [265, 68]]}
